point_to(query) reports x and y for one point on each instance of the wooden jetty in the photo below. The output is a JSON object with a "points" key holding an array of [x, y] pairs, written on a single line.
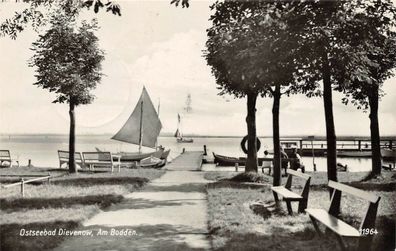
{"points": [[187, 161], [346, 146]]}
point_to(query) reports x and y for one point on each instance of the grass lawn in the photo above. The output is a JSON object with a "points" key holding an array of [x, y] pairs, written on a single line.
{"points": [[243, 217], [65, 202]]}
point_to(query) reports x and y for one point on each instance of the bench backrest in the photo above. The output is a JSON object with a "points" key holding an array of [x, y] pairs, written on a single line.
{"points": [[97, 157], [354, 191], [371, 213], [292, 173], [5, 155], [64, 155], [306, 177]]}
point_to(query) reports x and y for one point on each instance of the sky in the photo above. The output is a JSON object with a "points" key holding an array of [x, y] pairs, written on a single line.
{"points": [[161, 47]]}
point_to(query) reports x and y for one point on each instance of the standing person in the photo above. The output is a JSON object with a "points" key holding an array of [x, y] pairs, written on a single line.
{"points": [[296, 163], [284, 156], [266, 163]]}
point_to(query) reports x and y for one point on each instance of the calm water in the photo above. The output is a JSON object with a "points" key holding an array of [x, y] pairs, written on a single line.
{"points": [[42, 149]]}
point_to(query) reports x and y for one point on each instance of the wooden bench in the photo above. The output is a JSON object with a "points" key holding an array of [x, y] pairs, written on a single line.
{"points": [[5, 159], [340, 228], [99, 159], [64, 158], [288, 195]]}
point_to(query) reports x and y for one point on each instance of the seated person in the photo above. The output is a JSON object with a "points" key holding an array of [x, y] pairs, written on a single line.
{"points": [[266, 163], [283, 155], [296, 163]]}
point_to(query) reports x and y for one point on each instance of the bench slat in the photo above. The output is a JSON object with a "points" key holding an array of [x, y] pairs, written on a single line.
{"points": [[97, 156], [5, 154], [286, 194], [336, 225], [64, 155], [354, 191], [299, 174]]}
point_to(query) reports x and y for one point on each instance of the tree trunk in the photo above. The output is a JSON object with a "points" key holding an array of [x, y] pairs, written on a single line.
{"points": [[330, 129], [72, 139], [276, 139], [251, 161], [375, 134]]}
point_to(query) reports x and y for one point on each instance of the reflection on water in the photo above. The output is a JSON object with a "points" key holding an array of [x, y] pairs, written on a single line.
{"points": [[42, 149]]}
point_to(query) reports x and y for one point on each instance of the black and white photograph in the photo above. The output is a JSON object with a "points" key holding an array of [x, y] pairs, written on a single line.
{"points": [[198, 125]]}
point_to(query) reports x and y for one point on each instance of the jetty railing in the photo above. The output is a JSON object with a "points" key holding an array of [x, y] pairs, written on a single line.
{"points": [[23, 182]]}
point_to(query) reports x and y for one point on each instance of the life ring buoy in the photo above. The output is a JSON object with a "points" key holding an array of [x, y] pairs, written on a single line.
{"points": [[243, 144]]}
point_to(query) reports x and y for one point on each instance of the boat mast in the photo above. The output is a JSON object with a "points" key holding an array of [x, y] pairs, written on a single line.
{"points": [[141, 127], [158, 112], [179, 126]]}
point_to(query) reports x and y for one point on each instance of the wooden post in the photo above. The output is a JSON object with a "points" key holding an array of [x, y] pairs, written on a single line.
{"points": [[312, 138], [22, 187], [359, 145], [49, 175], [184, 150], [30, 163], [205, 152], [236, 167]]}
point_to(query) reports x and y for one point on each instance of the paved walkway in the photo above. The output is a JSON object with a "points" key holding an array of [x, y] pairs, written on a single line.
{"points": [[169, 214]]}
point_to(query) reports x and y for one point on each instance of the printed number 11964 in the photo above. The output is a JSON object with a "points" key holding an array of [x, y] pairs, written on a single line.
{"points": [[368, 231]]}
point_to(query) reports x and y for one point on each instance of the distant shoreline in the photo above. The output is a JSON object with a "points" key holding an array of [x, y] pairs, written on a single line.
{"points": [[170, 135]]}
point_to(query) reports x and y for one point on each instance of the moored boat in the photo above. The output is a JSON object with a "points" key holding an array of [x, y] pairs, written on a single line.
{"points": [[388, 153], [135, 156], [179, 135], [152, 162], [221, 160], [142, 128], [184, 140]]}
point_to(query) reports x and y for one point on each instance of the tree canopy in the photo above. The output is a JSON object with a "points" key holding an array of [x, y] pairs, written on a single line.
{"points": [[68, 60], [39, 12], [34, 13], [374, 46]]}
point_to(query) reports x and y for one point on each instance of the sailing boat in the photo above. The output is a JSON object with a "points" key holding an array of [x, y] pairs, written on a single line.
{"points": [[142, 128], [178, 134]]}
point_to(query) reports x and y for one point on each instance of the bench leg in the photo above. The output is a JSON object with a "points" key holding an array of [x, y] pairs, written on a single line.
{"points": [[289, 207], [342, 244], [315, 224], [275, 196], [302, 205]]}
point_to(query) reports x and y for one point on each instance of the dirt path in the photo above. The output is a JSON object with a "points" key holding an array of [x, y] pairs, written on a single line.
{"points": [[169, 214]]}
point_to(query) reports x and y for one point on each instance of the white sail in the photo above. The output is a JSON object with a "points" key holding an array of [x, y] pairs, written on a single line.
{"points": [[143, 126]]}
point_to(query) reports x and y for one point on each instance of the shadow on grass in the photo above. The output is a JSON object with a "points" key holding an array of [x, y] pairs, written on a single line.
{"points": [[386, 187], [305, 240], [235, 184], [89, 181], [37, 203], [11, 239], [144, 203], [185, 188], [309, 240], [386, 237], [250, 177]]}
